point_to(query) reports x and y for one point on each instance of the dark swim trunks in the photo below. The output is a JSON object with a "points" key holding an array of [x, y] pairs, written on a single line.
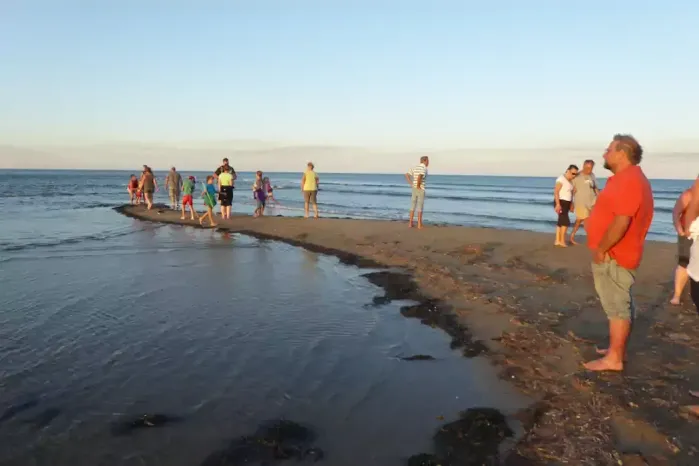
{"points": [[226, 196], [684, 245], [563, 217]]}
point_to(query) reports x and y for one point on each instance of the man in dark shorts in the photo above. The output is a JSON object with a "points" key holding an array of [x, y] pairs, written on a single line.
{"points": [[228, 192], [684, 244]]}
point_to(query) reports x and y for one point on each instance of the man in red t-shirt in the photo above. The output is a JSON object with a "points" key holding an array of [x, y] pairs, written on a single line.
{"points": [[616, 231]]}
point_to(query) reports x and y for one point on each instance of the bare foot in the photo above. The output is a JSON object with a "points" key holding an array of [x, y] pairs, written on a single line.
{"points": [[410, 225], [573, 242], [561, 245], [419, 226], [201, 221], [182, 218], [192, 218], [214, 224], [604, 364], [675, 301]]}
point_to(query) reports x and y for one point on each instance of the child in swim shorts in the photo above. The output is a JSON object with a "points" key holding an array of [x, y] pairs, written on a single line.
{"points": [[209, 196], [188, 190]]}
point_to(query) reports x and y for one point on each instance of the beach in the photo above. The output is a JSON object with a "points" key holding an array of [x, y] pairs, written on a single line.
{"points": [[532, 311]]}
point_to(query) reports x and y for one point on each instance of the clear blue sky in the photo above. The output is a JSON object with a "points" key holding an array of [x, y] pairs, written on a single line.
{"points": [[402, 73]]}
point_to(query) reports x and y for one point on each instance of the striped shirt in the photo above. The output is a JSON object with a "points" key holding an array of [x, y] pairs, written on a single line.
{"points": [[417, 171]]}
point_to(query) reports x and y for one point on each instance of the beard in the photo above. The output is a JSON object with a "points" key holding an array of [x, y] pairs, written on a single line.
{"points": [[606, 166]]}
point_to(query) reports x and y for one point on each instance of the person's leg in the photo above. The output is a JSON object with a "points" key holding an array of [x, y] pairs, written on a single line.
{"points": [[314, 198], [149, 200], [413, 204], [684, 246], [613, 284], [681, 279], [420, 207], [183, 212], [576, 227], [694, 292], [306, 203]]}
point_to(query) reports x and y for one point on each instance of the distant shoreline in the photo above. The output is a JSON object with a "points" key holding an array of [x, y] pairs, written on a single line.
{"points": [[533, 310]]}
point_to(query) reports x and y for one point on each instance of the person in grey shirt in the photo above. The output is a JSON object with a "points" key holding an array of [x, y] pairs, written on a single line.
{"points": [[173, 183], [585, 191]]}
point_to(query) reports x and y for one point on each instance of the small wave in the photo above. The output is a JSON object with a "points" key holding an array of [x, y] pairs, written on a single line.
{"points": [[60, 242]]}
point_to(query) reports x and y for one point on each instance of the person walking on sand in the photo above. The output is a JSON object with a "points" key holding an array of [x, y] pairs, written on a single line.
{"points": [[209, 195], [416, 178], [173, 184], [309, 187], [188, 188], [148, 186], [563, 203], [259, 194], [585, 193], [132, 188], [225, 193], [684, 244], [226, 168], [616, 232]]}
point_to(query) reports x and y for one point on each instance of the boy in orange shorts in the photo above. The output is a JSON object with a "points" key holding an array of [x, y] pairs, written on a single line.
{"points": [[187, 200]]}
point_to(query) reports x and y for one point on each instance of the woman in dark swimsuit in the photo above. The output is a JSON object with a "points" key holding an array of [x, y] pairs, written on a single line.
{"points": [[148, 186]]}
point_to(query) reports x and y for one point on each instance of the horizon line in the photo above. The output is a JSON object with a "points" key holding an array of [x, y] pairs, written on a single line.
{"points": [[300, 172]]}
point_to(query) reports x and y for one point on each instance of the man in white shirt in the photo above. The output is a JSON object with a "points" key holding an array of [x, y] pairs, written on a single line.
{"points": [[416, 178]]}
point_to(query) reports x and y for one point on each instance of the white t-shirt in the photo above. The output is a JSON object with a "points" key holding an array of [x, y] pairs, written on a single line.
{"points": [[693, 267], [566, 192]]}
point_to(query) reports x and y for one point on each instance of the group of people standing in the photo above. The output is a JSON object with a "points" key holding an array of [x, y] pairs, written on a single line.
{"points": [[219, 188], [616, 220], [575, 191]]}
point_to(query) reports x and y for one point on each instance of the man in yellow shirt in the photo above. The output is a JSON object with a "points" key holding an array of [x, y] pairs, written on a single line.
{"points": [[309, 187]]}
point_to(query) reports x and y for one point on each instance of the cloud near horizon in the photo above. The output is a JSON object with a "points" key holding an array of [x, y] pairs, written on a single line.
{"points": [[259, 155]]}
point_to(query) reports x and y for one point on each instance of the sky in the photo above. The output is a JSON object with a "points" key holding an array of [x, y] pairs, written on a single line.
{"points": [[493, 82]]}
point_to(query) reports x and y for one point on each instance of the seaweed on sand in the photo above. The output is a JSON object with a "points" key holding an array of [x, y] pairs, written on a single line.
{"points": [[272, 443], [472, 440]]}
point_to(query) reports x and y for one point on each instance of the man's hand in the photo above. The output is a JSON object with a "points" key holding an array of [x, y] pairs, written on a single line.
{"points": [[557, 208], [598, 256], [679, 228]]}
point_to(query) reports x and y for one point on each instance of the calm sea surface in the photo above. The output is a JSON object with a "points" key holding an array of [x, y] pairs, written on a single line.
{"points": [[105, 318], [83, 199]]}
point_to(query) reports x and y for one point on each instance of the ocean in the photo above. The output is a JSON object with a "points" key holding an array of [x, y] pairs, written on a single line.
{"points": [[105, 319], [84, 199]]}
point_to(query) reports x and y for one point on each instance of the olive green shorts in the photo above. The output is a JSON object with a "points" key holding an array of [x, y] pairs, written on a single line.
{"points": [[613, 284]]}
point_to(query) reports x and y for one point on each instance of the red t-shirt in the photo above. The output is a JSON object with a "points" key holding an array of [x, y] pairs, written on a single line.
{"points": [[628, 194]]}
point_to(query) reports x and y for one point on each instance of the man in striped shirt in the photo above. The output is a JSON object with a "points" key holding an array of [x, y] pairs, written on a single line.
{"points": [[416, 177]]}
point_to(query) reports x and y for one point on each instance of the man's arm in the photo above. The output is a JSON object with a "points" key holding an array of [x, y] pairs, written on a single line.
{"points": [[692, 211], [234, 174], [409, 177], [419, 180], [612, 236], [680, 207], [303, 181]]}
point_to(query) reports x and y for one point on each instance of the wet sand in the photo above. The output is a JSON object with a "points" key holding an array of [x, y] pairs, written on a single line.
{"points": [[532, 309]]}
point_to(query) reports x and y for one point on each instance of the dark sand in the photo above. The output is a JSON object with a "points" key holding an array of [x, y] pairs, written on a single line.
{"points": [[532, 308]]}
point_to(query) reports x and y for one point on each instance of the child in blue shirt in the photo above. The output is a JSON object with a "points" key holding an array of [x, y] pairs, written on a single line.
{"points": [[209, 195]]}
